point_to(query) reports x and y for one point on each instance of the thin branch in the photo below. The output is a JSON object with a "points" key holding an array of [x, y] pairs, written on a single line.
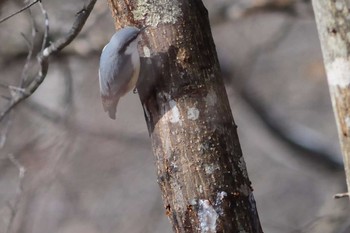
{"points": [[4, 130], [21, 173], [78, 24], [47, 28], [21, 10], [30, 45], [28, 42], [21, 170], [68, 97], [46, 53], [341, 195]]}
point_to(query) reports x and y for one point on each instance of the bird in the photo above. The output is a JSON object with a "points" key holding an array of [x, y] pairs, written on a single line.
{"points": [[119, 67]]}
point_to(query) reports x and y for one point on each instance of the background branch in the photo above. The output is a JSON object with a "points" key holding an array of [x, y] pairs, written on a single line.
{"points": [[333, 33], [44, 55], [21, 10]]}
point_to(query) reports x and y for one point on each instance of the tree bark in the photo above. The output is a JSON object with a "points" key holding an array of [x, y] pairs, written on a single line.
{"points": [[332, 18], [201, 171]]}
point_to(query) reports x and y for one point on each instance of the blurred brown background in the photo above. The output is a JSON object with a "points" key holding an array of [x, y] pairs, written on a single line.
{"points": [[87, 173]]}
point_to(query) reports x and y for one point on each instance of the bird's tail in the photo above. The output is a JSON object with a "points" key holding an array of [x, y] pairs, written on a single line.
{"points": [[110, 106], [112, 111]]}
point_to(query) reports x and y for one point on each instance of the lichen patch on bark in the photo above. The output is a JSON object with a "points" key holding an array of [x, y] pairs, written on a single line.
{"points": [[156, 12], [192, 113], [339, 72]]}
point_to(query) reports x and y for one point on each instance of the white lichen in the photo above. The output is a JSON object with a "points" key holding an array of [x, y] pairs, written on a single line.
{"points": [[200, 188], [244, 189], [146, 51], [211, 98], [193, 202], [207, 217], [178, 195], [339, 5], [173, 165], [218, 202], [169, 108], [339, 73], [347, 122], [155, 12], [337, 45], [192, 113], [209, 169], [175, 113]]}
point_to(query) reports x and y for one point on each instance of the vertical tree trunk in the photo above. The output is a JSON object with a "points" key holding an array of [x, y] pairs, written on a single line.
{"points": [[332, 18], [201, 171]]}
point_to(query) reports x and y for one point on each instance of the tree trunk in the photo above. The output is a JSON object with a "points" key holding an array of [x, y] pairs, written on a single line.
{"points": [[332, 18], [201, 171]]}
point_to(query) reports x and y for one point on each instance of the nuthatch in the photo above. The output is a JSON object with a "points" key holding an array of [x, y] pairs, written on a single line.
{"points": [[119, 67]]}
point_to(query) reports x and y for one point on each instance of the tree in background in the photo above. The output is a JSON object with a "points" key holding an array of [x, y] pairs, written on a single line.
{"points": [[332, 18]]}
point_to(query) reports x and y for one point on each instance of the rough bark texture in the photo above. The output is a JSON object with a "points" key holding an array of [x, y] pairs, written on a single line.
{"points": [[332, 17], [201, 171]]}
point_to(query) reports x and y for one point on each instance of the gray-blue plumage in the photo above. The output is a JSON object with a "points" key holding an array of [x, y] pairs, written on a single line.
{"points": [[119, 67]]}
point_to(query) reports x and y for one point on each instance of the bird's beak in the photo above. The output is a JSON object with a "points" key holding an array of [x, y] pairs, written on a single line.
{"points": [[143, 28]]}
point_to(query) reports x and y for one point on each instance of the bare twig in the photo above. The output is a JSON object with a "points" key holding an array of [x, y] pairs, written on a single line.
{"points": [[45, 54], [30, 45], [78, 24], [21, 170], [47, 28], [21, 173], [341, 195], [4, 130], [19, 11]]}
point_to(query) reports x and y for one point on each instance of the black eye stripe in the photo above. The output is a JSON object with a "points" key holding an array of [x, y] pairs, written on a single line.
{"points": [[122, 49]]}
